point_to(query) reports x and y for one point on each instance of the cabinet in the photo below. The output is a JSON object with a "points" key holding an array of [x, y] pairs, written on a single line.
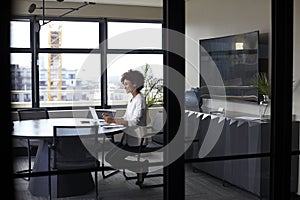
{"points": [[225, 136]]}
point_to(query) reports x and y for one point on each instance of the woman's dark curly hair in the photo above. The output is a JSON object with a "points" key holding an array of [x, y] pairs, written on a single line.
{"points": [[136, 77]]}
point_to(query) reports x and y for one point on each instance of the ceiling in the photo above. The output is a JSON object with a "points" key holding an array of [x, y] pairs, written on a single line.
{"points": [[152, 3]]}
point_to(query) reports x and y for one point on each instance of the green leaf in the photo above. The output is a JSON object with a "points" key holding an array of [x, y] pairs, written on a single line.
{"points": [[263, 85], [153, 87]]}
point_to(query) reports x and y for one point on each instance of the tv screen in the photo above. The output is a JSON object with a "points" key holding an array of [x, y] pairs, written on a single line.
{"points": [[229, 67]]}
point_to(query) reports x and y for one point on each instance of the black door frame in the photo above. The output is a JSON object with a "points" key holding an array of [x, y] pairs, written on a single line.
{"points": [[282, 98]]}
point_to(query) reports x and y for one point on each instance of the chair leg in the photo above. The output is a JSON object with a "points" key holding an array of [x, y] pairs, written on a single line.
{"points": [[143, 186], [140, 179], [96, 183], [128, 177], [109, 174], [49, 187], [103, 173], [29, 159], [29, 162], [49, 176]]}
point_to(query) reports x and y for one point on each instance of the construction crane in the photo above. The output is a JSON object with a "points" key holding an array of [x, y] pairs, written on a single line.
{"points": [[54, 63]]}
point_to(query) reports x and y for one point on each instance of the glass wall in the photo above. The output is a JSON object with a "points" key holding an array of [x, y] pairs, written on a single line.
{"points": [[229, 156]]}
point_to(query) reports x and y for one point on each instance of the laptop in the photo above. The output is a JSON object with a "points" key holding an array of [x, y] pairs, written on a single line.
{"points": [[95, 116], [101, 122]]}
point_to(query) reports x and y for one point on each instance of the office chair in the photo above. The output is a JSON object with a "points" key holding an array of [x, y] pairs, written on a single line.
{"points": [[112, 113], [70, 153], [155, 144], [29, 114]]}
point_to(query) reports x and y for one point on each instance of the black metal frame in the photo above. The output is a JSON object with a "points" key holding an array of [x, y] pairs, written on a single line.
{"points": [[282, 98], [174, 19]]}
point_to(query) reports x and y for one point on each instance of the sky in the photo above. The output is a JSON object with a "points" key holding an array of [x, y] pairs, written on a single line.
{"points": [[124, 35]]}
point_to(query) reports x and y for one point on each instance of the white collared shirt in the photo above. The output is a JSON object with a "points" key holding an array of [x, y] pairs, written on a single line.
{"points": [[136, 111], [135, 115]]}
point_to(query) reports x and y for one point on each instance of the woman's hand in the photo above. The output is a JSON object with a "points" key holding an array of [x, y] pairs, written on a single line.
{"points": [[107, 118]]}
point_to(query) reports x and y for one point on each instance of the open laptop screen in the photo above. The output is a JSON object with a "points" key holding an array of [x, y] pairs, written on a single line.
{"points": [[97, 114], [94, 114]]}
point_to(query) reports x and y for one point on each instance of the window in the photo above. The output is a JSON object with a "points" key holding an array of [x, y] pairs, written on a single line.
{"points": [[69, 61], [139, 44], [20, 34], [133, 35], [68, 83], [69, 34], [120, 63], [21, 79]]}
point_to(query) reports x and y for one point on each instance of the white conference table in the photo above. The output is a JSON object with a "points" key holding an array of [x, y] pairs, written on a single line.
{"points": [[43, 129]]}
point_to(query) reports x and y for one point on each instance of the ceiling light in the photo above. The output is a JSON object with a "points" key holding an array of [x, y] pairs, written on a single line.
{"points": [[33, 7]]}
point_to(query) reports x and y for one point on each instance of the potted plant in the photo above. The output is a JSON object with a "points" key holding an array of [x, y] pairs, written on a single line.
{"points": [[153, 87], [263, 87]]}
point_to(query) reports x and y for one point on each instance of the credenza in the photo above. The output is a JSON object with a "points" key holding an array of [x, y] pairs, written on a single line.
{"points": [[216, 135]]}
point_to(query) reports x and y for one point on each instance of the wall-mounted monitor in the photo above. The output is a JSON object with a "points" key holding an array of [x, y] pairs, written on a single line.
{"points": [[229, 66]]}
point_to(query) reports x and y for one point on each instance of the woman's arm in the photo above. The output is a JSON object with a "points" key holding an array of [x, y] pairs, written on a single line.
{"points": [[108, 119]]}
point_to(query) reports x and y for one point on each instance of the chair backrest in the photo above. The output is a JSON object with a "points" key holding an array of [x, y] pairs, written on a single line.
{"points": [[33, 113], [158, 122], [73, 144], [158, 126]]}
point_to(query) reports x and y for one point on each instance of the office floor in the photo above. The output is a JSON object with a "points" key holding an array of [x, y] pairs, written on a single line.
{"points": [[198, 186]]}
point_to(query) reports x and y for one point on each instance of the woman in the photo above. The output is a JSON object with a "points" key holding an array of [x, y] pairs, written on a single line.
{"points": [[135, 121]]}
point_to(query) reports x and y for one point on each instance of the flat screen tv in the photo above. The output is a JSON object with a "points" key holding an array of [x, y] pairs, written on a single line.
{"points": [[229, 66]]}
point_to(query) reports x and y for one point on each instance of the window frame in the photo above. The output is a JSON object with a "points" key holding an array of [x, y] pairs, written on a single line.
{"points": [[35, 50]]}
